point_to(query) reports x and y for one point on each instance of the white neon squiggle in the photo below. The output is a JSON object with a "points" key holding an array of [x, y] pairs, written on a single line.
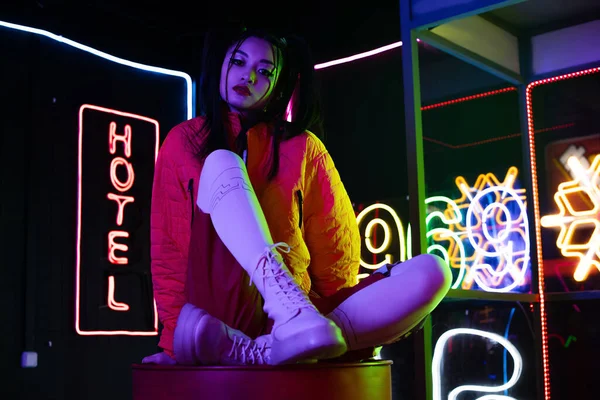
{"points": [[118, 60], [444, 233], [437, 365], [450, 204]]}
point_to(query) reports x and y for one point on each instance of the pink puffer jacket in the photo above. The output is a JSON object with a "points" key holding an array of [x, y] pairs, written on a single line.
{"points": [[306, 206]]}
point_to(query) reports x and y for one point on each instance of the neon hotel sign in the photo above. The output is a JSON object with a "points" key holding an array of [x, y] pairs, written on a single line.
{"points": [[117, 126]]}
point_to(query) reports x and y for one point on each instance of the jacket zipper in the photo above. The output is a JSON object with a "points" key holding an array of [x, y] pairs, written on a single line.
{"points": [[191, 192], [300, 205]]}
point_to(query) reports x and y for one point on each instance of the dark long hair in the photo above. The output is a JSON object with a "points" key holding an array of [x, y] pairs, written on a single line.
{"points": [[296, 77]]}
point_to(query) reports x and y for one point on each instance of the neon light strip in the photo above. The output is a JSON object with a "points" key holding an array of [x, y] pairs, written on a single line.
{"points": [[446, 234], [358, 56], [467, 98], [450, 205], [536, 210], [506, 331], [118, 60], [437, 364], [79, 200]]}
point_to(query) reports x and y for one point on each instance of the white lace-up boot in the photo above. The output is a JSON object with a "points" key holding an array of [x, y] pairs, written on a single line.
{"points": [[299, 332], [201, 338]]}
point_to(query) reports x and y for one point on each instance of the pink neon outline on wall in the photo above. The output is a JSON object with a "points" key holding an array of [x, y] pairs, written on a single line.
{"points": [[78, 244]]}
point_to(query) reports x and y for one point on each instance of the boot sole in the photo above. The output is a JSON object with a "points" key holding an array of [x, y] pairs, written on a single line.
{"points": [[309, 345], [183, 337]]}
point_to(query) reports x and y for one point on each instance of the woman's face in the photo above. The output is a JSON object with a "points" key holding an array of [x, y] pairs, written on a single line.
{"points": [[248, 75]]}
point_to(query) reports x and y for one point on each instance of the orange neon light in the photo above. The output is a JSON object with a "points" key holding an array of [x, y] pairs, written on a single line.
{"points": [[112, 303], [81, 174], [120, 186], [536, 212], [570, 220], [114, 246], [113, 138], [121, 201]]}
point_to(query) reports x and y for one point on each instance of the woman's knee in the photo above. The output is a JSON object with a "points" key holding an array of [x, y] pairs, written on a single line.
{"points": [[433, 272], [221, 168], [220, 159], [438, 273]]}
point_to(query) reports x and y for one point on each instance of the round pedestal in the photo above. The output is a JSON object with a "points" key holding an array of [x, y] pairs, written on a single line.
{"points": [[352, 381]]}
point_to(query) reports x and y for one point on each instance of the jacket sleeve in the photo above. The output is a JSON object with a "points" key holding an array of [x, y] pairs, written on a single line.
{"points": [[169, 236], [331, 232]]}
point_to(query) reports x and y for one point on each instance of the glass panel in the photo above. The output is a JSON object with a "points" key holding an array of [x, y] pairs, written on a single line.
{"points": [[364, 133], [489, 347], [567, 146], [476, 200], [573, 347]]}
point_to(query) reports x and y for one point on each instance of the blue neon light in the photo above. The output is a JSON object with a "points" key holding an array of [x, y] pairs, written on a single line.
{"points": [[510, 317]]}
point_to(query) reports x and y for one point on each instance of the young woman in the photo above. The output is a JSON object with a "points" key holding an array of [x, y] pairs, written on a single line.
{"points": [[255, 246]]}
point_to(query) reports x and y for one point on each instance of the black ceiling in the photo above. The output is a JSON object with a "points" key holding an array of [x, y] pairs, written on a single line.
{"points": [[537, 16], [170, 32]]}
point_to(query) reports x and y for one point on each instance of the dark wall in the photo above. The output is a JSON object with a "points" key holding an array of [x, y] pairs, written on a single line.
{"points": [[44, 85], [364, 122], [364, 125]]}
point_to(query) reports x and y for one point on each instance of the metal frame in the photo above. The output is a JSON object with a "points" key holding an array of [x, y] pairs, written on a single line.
{"points": [[411, 28]]}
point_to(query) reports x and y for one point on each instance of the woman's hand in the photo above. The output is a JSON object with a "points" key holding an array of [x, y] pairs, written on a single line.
{"points": [[161, 358]]}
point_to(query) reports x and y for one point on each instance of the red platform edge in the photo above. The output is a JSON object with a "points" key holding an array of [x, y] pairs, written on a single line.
{"points": [[348, 381]]}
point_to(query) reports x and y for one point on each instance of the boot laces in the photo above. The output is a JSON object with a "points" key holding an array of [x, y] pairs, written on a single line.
{"points": [[281, 278], [247, 351]]}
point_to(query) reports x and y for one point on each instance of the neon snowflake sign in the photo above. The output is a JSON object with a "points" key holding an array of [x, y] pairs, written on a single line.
{"points": [[572, 221]]}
